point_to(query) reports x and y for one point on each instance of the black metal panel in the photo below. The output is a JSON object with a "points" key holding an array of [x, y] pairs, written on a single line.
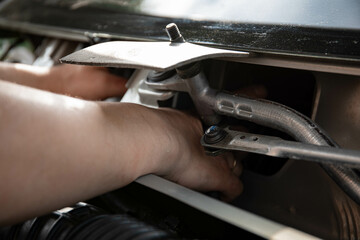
{"points": [[321, 41]]}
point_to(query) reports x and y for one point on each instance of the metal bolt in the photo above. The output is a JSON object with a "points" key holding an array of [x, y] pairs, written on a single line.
{"points": [[174, 33], [214, 134], [155, 76], [212, 131]]}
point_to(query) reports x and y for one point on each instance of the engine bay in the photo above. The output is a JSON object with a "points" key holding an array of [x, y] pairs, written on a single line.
{"points": [[302, 99]]}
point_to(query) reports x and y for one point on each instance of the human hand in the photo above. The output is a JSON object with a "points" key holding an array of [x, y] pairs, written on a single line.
{"points": [[170, 146], [91, 83], [166, 142], [80, 149], [192, 167]]}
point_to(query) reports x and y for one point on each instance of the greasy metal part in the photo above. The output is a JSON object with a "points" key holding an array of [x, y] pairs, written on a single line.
{"points": [[155, 76], [258, 225], [213, 151], [266, 113], [298, 126], [158, 56], [277, 147], [189, 70], [214, 134], [270, 114], [202, 95], [175, 83], [139, 92]]}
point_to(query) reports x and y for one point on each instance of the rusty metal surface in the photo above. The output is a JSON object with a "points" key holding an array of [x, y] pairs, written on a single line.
{"points": [[159, 56]]}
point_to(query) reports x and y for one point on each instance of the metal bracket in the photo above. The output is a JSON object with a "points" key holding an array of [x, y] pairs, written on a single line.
{"points": [[277, 147], [139, 92], [159, 56]]}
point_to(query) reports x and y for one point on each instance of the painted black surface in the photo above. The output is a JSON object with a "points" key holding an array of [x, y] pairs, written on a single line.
{"points": [[283, 39]]}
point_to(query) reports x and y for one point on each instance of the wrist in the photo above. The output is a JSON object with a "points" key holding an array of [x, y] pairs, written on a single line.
{"points": [[142, 136]]}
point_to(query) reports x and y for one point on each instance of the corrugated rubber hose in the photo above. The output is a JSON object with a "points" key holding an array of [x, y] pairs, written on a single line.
{"points": [[84, 221], [300, 127]]}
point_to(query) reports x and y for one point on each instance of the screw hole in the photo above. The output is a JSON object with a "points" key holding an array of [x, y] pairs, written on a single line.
{"points": [[255, 139], [242, 137]]}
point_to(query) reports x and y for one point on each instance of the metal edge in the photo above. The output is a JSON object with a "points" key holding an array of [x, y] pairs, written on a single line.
{"points": [[300, 63], [245, 220], [58, 32], [287, 60]]}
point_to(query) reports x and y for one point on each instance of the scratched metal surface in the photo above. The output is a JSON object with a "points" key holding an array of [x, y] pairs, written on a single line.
{"points": [[322, 28]]}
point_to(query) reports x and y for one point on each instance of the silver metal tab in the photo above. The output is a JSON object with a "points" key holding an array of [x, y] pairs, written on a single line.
{"points": [[159, 56], [277, 147]]}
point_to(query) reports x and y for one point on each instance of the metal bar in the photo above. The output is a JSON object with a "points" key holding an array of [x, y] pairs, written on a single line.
{"points": [[250, 222], [277, 147]]}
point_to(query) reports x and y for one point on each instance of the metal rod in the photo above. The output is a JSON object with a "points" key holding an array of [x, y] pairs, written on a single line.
{"points": [[277, 147]]}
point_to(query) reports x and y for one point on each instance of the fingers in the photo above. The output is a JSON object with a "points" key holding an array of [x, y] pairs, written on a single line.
{"points": [[228, 182], [237, 168], [233, 163], [102, 84], [213, 174], [114, 85], [232, 189], [222, 175], [87, 82]]}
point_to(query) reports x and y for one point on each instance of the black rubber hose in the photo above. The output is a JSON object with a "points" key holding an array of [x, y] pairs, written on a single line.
{"points": [[83, 222], [116, 227], [295, 124]]}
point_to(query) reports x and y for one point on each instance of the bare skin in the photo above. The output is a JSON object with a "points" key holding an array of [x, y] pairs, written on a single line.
{"points": [[91, 83], [57, 150]]}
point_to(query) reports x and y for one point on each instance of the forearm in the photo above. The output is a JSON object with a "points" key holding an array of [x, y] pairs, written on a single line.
{"points": [[57, 150]]}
